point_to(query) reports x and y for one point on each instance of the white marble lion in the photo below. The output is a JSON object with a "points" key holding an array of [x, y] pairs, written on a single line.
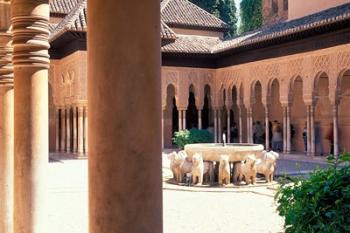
{"points": [[224, 170], [246, 170], [197, 169], [267, 165]]}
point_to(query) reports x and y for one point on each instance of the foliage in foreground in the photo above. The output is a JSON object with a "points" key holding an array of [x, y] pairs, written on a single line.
{"points": [[320, 203], [184, 137]]}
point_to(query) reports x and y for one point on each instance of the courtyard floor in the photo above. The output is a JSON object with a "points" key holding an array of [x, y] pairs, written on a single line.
{"points": [[186, 210]]}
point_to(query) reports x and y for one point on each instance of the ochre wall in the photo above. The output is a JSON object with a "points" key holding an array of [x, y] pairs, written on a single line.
{"points": [[191, 32], [300, 8]]}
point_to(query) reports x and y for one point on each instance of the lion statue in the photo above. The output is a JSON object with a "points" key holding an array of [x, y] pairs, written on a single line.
{"points": [[267, 165], [197, 169], [224, 170], [246, 170]]}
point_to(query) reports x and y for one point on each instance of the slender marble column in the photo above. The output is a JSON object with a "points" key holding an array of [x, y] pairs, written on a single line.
{"points": [[184, 119], [289, 139], [68, 130], [180, 119], [125, 163], [308, 122], [200, 119], [86, 131], [250, 125], [80, 130], [335, 130], [312, 122], [219, 126], [163, 109], [284, 129], [31, 62], [57, 127], [63, 130], [240, 125], [75, 133], [267, 129], [215, 126], [6, 134], [228, 125]]}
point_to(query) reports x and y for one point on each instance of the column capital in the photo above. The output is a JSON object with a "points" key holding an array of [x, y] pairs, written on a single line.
{"points": [[30, 36], [6, 68]]}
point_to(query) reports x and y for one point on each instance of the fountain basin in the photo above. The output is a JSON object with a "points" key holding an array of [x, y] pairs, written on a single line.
{"points": [[213, 151]]}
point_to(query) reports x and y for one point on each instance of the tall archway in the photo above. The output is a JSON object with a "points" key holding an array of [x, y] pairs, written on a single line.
{"points": [[344, 113], [170, 116], [207, 118], [192, 111], [323, 114], [298, 115], [275, 115], [258, 111]]}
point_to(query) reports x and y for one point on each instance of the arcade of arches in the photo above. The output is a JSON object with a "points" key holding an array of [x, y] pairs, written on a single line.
{"points": [[309, 90]]}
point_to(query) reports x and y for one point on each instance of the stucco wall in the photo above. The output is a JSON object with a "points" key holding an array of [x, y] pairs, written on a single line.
{"points": [[192, 32], [300, 8]]}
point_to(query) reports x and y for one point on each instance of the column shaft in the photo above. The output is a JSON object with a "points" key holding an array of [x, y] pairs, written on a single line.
{"points": [[6, 132], [86, 131], [289, 133], [121, 124], [284, 129], [267, 128], [180, 119], [219, 126], [31, 63], [215, 126], [57, 129], [308, 134], [63, 130], [6, 157], [80, 130], [75, 129], [240, 125], [312, 122], [184, 119], [335, 130], [199, 119], [228, 125], [68, 130]]}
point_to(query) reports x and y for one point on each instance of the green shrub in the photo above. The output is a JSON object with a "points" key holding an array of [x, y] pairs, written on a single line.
{"points": [[320, 203], [184, 137]]}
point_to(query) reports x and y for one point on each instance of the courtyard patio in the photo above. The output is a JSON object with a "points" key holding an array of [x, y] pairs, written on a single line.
{"points": [[184, 209]]}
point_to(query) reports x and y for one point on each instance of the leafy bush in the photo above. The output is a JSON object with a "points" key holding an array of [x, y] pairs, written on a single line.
{"points": [[184, 137], [320, 203]]}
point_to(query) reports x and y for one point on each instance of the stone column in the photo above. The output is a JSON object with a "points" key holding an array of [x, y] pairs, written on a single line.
{"points": [[31, 63], [6, 134], [267, 129], [80, 130], [63, 130], [249, 125], [219, 126], [125, 166], [335, 129], [240, 125], [180, 119], [163, 109], [200, 119], [228, 125], [86, 131], [284, 129], [215, 126], [312, 122], [184, 119], [289, 139], [57, 128], [75, 133], [68, 130], [308, 125]]}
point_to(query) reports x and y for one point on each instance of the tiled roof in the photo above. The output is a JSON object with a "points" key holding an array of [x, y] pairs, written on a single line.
{"points": [[62, 6], [320, 19], [183, 13], [191, 44], [166, 33], [74, 21]]}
